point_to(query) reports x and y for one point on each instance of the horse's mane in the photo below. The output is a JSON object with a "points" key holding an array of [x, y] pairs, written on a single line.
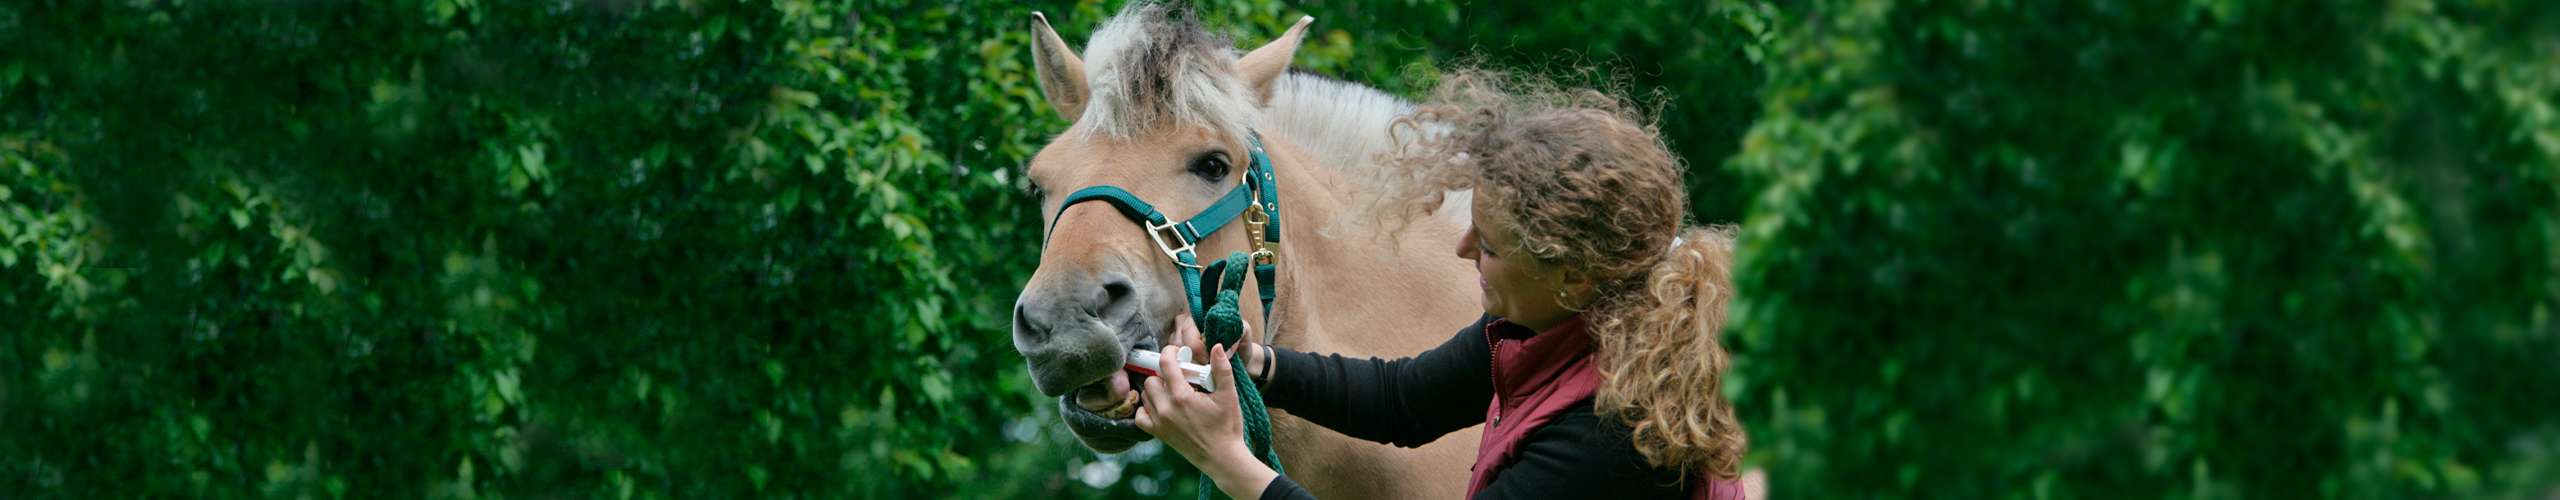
{"points": [[1343, 123], [1348, 127]]}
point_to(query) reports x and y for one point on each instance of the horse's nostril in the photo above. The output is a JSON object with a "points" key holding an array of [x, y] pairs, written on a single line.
{"points": [[1117, 300], [1116, 291], [1024, 327]]}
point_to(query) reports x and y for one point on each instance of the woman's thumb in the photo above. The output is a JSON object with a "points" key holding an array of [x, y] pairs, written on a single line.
{"points": [[1187, 334], [1222, 372]]}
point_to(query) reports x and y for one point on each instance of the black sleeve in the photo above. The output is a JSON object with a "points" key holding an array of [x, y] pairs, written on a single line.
{"points": [[1582, 455], [1281, 488], [1405, 402]]}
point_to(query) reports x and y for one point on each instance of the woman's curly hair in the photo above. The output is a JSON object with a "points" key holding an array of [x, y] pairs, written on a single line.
{"points": [[1587, 184]]}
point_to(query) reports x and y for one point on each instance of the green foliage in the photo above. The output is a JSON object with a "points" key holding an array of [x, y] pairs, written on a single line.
{"points": [[501, 248], [715, 248], [2199, 249]]}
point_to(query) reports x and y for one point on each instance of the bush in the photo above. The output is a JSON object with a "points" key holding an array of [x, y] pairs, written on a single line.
{"points": [[713, 248], [2201, 249]]}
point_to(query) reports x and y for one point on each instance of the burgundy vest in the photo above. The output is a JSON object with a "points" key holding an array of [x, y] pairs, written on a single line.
{"points": [[1536, 375]]}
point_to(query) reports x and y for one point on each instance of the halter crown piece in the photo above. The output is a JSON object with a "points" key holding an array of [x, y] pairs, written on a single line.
{"points": [[1256, 200]]}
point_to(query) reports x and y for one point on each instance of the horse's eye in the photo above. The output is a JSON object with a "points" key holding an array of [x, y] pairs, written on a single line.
{"points": [[1211, 166]]}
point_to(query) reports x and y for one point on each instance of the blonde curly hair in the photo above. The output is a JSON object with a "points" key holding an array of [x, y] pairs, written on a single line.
{"points": [[1588, 185]]}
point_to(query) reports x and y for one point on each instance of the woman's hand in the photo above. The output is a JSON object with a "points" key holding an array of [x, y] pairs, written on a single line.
{"points": [[1207, 429], [1194, 424], [1257, 357]]}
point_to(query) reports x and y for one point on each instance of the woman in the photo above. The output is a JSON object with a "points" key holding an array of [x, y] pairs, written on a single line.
{"points": [[1596, 367]]}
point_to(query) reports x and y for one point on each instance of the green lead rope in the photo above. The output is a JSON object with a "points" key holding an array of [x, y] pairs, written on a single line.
{"points": [[1223, 324]]}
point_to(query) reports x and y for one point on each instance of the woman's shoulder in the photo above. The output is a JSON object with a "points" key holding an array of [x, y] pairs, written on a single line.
{"points": [[1599, 455], [1584, 428]]}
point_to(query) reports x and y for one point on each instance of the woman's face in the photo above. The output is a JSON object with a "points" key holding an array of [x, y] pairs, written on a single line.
{"points": [[1517, 286]]}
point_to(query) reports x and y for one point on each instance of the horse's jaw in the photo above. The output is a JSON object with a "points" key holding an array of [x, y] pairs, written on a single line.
{"points": [[1102, 434], [1100, 411]]}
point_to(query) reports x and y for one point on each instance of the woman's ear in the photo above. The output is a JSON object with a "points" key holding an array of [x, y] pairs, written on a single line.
{"points": [[1573, 291]]}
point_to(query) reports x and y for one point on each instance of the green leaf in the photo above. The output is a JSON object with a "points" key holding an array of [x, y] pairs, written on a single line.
{"points": [[937, 388]]}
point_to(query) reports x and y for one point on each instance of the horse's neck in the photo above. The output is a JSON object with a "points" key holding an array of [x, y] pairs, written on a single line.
{"points": [[1354, 292], [1358, 294]]}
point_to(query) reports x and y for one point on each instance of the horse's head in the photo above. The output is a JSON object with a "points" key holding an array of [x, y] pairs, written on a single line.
{"points": [[1161, 109]]}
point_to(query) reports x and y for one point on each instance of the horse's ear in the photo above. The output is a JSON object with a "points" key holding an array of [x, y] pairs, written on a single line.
{"points": [[1262, 67], [1061, 72]]}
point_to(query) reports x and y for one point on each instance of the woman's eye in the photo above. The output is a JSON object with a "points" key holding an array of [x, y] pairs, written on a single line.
{"points": [[1210, 167]]}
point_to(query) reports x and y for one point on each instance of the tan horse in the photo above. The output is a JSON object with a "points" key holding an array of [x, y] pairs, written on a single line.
{"points": [[1162, 109]]}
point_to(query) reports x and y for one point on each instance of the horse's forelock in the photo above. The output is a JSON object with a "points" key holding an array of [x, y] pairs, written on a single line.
{"points": [[1153, 65]]}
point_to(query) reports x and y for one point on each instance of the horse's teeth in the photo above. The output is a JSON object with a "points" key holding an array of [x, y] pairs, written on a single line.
{"points": [[1128, 407]]}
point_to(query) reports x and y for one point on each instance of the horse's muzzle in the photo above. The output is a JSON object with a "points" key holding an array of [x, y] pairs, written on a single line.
{"points": [[1062, 332], [1075, 332]]}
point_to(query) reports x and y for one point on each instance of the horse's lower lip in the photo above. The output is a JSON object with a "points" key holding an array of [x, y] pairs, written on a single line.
{"points": [[1106, 394], [1103, 434], [1070, 400]]}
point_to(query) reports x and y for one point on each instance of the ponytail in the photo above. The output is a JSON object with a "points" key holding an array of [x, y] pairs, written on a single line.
{"points": [[1662, 363]]}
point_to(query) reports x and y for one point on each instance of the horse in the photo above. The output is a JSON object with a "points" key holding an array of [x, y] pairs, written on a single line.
{"points": [[1168, 112]]}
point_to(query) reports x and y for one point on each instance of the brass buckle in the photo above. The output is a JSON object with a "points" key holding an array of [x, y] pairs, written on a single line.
{"points": [[1254, 221], [1158, 233]]}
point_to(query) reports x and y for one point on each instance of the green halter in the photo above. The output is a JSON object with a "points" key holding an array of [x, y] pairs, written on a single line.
{"points": [[1257, 201], [1257, 193]]}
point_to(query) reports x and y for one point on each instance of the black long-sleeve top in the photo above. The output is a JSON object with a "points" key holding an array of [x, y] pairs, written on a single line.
{"points": [[1413, 401]]}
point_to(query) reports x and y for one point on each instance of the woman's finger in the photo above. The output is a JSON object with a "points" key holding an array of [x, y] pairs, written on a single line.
{"points": [[1185, 333], [1145, 422], [1170, 366], [1157, 396]]}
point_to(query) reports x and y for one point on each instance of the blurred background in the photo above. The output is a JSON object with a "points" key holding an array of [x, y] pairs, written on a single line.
{"points": [[715, 248]]}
